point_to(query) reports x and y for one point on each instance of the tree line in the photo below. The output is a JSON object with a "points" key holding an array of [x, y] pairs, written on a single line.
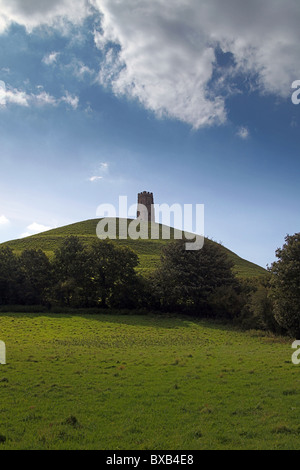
{"points": [[199, 283]]}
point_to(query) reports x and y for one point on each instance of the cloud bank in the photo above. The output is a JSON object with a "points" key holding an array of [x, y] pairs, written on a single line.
{"points": [[164, 54], [167, 55]]}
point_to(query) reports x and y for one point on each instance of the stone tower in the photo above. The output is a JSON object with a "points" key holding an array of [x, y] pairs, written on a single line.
{"points": [[145, 208]]}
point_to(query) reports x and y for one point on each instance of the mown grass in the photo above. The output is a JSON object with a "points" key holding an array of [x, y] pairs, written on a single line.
{"points": [[149, 251], [144, 382]]}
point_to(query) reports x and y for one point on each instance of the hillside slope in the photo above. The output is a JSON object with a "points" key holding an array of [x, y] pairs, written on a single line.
{"points": [[148, 250]]}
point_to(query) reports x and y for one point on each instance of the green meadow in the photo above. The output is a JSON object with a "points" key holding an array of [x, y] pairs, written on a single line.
{"points": [[115, 381]]}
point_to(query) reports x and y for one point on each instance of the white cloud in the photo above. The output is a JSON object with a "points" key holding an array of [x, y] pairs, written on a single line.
{"points": [[50, 58], [4, 221], [167, 51], [79, 69], [44, 98], [243, 132], [164, 70], [71, 100], [35, 228], [9, 95], [101, 170], [95, 178], [100, 40], [166, 55], [34, 13]]}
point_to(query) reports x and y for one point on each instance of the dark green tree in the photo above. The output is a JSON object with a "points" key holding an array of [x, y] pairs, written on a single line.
{"points": [[285, 283], [36, 276], [70, 272], [258, 311], [112, 278], [10, 277], [191, 280]]}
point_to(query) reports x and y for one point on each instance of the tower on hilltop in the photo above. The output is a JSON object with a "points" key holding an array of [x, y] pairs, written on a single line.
{"points": [[145, 207]]}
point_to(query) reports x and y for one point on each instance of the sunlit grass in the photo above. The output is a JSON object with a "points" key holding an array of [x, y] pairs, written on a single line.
{"points": [[144, 382]]}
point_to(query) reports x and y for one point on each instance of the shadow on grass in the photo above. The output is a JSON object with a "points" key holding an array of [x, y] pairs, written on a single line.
{"points": [[123, 316]]}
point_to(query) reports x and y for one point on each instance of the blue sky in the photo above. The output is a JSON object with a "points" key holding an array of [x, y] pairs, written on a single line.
{"points": [[190, 100]]}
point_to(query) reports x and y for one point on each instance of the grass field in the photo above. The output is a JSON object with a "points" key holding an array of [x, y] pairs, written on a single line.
{"points": [[144, 382], [148, 251]]}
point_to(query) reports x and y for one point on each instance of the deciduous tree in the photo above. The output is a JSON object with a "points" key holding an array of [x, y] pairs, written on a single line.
{"points": [[189, 279], [285, 283]]}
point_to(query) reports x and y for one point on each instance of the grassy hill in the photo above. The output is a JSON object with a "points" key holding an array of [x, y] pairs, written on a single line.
{"points": [[148, 250]]}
